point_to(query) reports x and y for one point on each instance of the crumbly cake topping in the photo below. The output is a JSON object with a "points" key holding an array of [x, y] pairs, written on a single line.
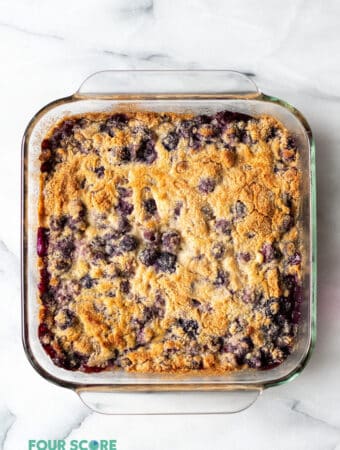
{"points": [[169, 242]]}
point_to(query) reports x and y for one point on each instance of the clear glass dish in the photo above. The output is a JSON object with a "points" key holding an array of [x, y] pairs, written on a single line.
{"points": [[201, 92]]}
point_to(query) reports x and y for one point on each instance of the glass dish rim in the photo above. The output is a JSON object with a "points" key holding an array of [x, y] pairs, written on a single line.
{"points": [[313, 249]]}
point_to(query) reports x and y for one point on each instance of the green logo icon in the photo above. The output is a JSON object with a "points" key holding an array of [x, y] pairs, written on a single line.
{"points": [[94, 445]]}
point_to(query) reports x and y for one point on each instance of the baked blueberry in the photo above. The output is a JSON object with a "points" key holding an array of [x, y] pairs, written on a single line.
{"points": [[149, 255], [189, 326], [87, 282], [124, 154], [222, 278], [239, 210], [150, 206], [223, 226], [218, 250], [178, 209], [207, 185], [125, 286], [99, 171], [170, 141], [166, 262], [128, 243], [171, 240], [124, 207], [146, 152]]}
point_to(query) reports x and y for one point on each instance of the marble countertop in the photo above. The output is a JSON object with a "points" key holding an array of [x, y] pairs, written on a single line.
{"points": [[292, 47]]}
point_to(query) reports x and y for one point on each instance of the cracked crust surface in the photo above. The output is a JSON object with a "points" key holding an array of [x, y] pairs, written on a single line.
{"points": [[169, 242]]}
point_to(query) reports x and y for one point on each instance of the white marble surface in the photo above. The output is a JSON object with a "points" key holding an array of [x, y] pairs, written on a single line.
{"points": [[292, 47]]}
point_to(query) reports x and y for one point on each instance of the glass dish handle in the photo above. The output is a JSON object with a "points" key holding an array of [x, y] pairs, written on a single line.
{"points": [[122, 402], [168, 84]]}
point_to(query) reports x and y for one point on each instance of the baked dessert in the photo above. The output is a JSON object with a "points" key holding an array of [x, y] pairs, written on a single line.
{"points": [[169, 242]]}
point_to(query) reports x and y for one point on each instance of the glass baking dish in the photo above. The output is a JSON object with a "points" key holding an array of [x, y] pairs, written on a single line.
{"points": [[200, 92]]}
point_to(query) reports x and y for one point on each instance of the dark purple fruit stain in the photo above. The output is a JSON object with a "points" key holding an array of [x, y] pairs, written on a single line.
{"points": [[42, 241], [43, 285]]}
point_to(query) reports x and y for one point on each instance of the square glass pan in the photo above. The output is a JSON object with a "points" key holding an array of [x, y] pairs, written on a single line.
{"points": [[200, 92]]}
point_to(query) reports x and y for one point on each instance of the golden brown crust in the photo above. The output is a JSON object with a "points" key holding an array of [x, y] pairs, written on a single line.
{"points": [[169, 242]]}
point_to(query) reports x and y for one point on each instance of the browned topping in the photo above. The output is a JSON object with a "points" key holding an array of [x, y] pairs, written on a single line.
{"points": [[169, 242]]}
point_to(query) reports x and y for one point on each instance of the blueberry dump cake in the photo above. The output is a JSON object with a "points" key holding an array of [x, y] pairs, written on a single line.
{"points": [[169, 242]]}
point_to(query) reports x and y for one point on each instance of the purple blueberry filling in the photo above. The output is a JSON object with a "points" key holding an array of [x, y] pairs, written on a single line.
{"points": [[124, 207], [151, 236], [222, 278], [245, 257], [287, 223], [65, 246], [150, 206], [146, 152], [99, 171], [270, 252], [291, 143], [295, 259], [125, 155], [128, 243], [69, 319], [125, 286], [225, 117], [171, 240], [42, 241], [207, 185], [240, 210], [149, 255], [272, 134], [166, 262], [43, 285], [170, 142], [115, 121], [218, 250], [189, 326], [87, 282], [124, 192], [178, 208], [223, 226]]}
